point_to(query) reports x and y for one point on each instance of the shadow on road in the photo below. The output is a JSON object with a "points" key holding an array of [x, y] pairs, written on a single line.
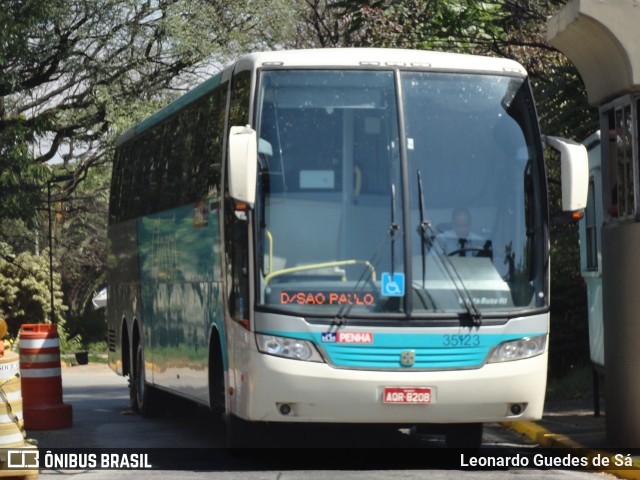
{"points": [[188, 436]]}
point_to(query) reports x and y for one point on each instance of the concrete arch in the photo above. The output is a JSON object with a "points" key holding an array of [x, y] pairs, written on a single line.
{"points": [[602, 39]]}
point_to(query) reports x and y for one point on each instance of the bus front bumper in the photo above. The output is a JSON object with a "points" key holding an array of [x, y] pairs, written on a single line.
{"points": [[283, 390]]}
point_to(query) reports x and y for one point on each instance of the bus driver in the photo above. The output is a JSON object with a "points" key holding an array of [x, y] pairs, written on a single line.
{"points": [[460, 240]]}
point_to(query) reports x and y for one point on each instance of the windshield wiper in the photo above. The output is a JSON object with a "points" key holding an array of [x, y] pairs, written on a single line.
{"points": [[428, 236], [339, 320], [394, 228], [425, 230]]}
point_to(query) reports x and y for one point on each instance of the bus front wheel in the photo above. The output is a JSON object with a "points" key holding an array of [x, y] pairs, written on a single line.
{"points": [[244, 434]]}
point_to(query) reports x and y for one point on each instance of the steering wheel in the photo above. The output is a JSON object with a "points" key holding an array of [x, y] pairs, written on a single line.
{"points": [[467, 249]]}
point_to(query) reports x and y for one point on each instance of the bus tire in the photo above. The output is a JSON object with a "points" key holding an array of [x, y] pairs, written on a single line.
{"points": [[144, 398], [244, 434], [216, 377], [131, 370], [464, 435], [237, 432]]}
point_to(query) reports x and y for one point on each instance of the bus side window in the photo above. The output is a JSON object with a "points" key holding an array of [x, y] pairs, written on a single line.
{"points": [[271, 166], [237, 231], [115, 203]]}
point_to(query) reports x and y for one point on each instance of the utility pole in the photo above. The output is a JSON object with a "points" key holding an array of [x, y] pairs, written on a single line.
{"points": [[59, 178]]}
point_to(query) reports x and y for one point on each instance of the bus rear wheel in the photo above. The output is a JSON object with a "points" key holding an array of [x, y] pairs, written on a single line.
{"points": [[143, 398]]}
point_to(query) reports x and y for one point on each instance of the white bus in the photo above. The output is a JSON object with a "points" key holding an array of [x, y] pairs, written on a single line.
{"points": [[281, 243]]}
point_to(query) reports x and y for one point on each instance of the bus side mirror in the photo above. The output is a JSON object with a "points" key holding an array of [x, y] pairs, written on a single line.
{"points": [[574, 175], [243, 164]]}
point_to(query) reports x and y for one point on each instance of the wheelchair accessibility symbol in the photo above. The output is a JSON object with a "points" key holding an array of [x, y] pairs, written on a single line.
{"points": [[393, 286]]}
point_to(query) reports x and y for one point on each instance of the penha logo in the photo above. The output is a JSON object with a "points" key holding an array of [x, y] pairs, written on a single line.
{"points": [[354, 337], [347, 337]]}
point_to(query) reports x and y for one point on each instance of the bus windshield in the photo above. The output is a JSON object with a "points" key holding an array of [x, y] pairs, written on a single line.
{"points": [[381, 192]]}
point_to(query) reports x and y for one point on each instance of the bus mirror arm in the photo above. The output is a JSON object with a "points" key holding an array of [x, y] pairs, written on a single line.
{"points": [[574, 166], [243, 164]]}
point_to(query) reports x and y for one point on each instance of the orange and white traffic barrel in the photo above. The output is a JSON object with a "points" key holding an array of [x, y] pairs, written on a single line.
{"points": [[11, 417], [12, 433], [41, 378]]}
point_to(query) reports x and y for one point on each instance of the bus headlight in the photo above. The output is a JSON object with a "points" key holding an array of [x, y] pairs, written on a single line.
{"points": [[519, 349], [288, 348]]}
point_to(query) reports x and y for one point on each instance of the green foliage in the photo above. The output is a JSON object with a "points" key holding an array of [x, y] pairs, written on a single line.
{"points": [[453, 25], [576, 383], [75, 75], [21, 21], [25, 297], [68, 343], [20, 179], [80, 232], [24, 290], [508, 28], [90, 325], [562, 100]]}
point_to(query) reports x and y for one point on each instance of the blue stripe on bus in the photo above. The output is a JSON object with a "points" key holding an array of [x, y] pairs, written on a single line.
{"points": [[431, 351]]}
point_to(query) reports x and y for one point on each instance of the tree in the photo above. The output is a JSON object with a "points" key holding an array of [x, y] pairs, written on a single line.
{"points": [[79, 231], [513, 29], [454, 25], [316, 25], [79, 226], [76, 73], [24, 289], [25, 295]]}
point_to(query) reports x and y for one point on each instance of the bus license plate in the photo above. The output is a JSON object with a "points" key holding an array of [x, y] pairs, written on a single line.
{"points": [[407, 395]]}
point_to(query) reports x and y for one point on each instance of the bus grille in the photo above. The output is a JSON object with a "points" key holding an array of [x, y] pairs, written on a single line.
{"points": [[376, 358]]}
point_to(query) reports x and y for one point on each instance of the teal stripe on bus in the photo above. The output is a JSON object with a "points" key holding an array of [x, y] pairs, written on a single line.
{"points": [[431, 351], [181, 284]]}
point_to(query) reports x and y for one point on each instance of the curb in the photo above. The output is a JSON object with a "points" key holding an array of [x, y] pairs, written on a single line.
{"points": [[548, 439]]}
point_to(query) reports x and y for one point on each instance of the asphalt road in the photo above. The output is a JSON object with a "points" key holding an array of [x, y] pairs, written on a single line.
{"points": [[102, 419], [188, 443]]}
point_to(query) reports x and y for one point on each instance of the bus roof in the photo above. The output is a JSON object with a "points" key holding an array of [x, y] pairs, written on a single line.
{"points": [[382, 57], [340, 58]]}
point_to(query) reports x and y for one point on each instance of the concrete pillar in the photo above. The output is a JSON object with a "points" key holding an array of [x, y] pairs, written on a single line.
{"points": [[602, 39]]}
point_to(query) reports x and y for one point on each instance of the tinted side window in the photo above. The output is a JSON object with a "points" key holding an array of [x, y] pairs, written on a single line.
{"points": [[174, 163], [236, 228]]}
